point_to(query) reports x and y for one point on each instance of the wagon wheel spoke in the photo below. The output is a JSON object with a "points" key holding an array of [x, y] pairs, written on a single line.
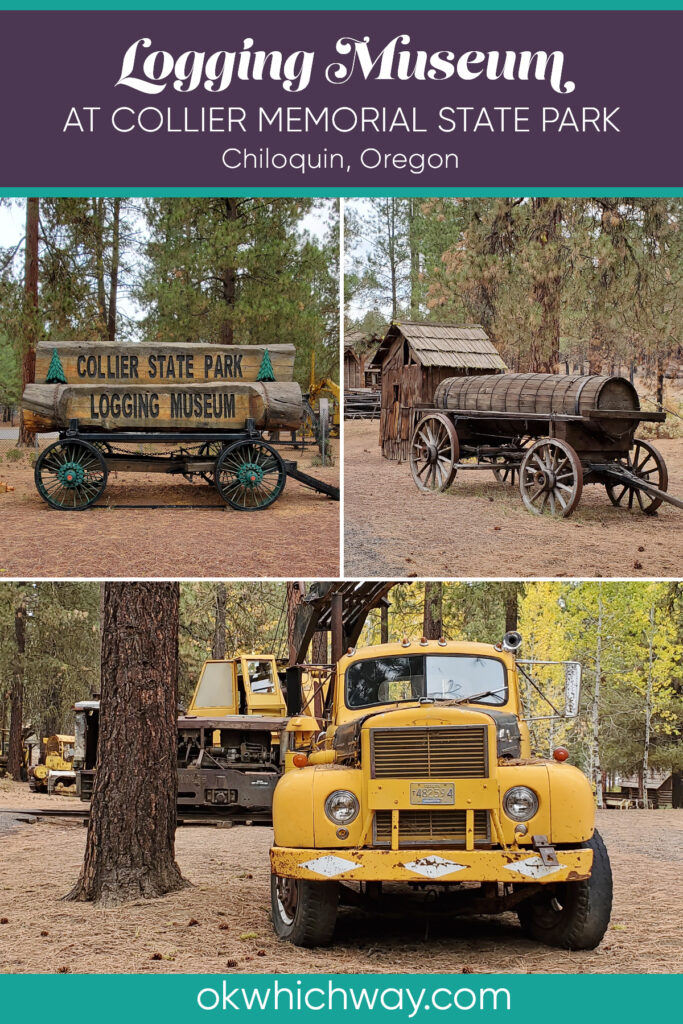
{"points": [[249, 475], [434, 451], [645, 462], [551, 478]]}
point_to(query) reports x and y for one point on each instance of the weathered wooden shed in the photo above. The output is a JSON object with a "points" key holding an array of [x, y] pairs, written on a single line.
{"points": [[359, 348], [414, 358]]}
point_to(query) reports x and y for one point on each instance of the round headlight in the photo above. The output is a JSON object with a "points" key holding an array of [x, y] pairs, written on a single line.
{"points": [[520, 803], [341, 807]]}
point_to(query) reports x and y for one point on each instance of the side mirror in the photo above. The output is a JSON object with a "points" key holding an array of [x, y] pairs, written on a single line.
{"points": [[572, 688]]}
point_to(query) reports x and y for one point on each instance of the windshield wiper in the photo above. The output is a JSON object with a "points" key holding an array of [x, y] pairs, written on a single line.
{"points": [[480, 696]]}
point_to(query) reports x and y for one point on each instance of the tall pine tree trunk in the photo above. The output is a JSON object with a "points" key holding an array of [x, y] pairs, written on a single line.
{"points": [[229, 284], [432, 624], [130, 849], [384, 622], [28, 364], [114, 273], [16, 722], [648, 706], [295, 592], [218, 645]]}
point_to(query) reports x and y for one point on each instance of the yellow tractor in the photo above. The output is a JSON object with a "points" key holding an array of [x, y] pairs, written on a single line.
{"points": [[317, 423], [424, 783], [57, 757]]}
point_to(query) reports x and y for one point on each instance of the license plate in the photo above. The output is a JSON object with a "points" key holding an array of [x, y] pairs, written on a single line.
{"points": [[432, 793]]}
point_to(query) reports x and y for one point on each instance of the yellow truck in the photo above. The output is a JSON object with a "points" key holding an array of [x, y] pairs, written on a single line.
{"points": [[424, 779]]}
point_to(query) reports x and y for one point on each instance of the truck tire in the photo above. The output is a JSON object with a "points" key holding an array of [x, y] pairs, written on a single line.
{"points": [[573, 915], [304, 912]]}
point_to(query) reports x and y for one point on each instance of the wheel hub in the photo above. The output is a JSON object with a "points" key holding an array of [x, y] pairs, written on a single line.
{"points": [[250, 474], [432, 454], [71, 474], [545, 479]]}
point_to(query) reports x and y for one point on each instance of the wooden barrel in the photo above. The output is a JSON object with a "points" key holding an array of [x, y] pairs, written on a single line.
{"points": [[540, 393], [166, 407]]}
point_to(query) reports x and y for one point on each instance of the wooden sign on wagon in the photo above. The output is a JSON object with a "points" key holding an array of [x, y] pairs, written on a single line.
{"points": [[101, 362], [167, 407]]}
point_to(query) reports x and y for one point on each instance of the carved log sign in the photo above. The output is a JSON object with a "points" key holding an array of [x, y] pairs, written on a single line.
{"points": [[162, 387]]}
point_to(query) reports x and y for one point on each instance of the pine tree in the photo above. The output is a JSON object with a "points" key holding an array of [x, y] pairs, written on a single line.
{"points": [[55, 373], [265, 372]]}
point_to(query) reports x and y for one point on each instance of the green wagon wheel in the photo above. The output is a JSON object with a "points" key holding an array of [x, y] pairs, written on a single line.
{"points": [[250, 475], [434, 453], [71, 475], [645, 462], [551, 478]]}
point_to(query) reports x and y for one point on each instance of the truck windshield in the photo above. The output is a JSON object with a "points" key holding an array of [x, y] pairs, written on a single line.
{"points": [[415, 676]]}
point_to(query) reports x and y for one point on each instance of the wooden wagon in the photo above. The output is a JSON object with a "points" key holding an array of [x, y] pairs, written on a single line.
{"points": [[550, 434], [203, 412]]}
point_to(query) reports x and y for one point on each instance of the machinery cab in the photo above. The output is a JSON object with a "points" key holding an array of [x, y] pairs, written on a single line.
{"points": [[245, 685], [56, 759]]}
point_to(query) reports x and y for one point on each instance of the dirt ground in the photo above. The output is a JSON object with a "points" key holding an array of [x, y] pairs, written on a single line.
{"points": [[36, 540], [221, 924], [481, 527]]}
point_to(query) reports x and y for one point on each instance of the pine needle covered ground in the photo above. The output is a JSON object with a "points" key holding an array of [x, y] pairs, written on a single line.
{"points": [[222, 923]]}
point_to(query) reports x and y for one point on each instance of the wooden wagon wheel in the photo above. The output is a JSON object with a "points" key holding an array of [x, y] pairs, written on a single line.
{"points": [[551, 478], [71, 475], [434, 453], [502, 470], [645, 462], [250, 475]]}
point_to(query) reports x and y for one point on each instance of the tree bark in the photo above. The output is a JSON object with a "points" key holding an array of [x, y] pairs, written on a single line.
{"points": [[114, 273], [295, 592], [648, 707], [130, 848], [511, 597], [16, 723], [229, 283], [319, 646], [384, 623], [27, 436], [432, 625], [218, 645]]}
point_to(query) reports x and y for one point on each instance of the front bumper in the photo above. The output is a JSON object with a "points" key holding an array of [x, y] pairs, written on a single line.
{"points": [[444, 865]]}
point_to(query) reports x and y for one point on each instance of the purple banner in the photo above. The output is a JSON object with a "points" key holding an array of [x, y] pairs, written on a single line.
{"points": [[340, 100]]}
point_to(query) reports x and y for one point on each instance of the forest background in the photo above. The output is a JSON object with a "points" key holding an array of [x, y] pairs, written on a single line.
{"points": [[628, 636], [211, 270], [559, 284]]}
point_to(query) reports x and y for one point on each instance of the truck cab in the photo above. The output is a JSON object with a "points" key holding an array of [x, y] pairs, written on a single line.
{"points": [[425, 777]]}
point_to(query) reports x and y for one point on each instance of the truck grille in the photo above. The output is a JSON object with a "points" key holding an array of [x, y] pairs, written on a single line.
{"points": [[435, 752], [430, 828]]}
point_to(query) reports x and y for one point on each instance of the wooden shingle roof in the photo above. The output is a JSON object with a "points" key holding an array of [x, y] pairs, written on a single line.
{"points": [[457, 346]]}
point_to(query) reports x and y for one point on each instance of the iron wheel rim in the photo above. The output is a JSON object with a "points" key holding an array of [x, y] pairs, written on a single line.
{"points": [[551, 478], [434, 453], [238, 463], [644, 461], [52, 475]]}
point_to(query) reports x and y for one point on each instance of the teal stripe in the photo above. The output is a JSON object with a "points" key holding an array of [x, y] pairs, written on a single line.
{"points": [[343, 5], [526, 190]]}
